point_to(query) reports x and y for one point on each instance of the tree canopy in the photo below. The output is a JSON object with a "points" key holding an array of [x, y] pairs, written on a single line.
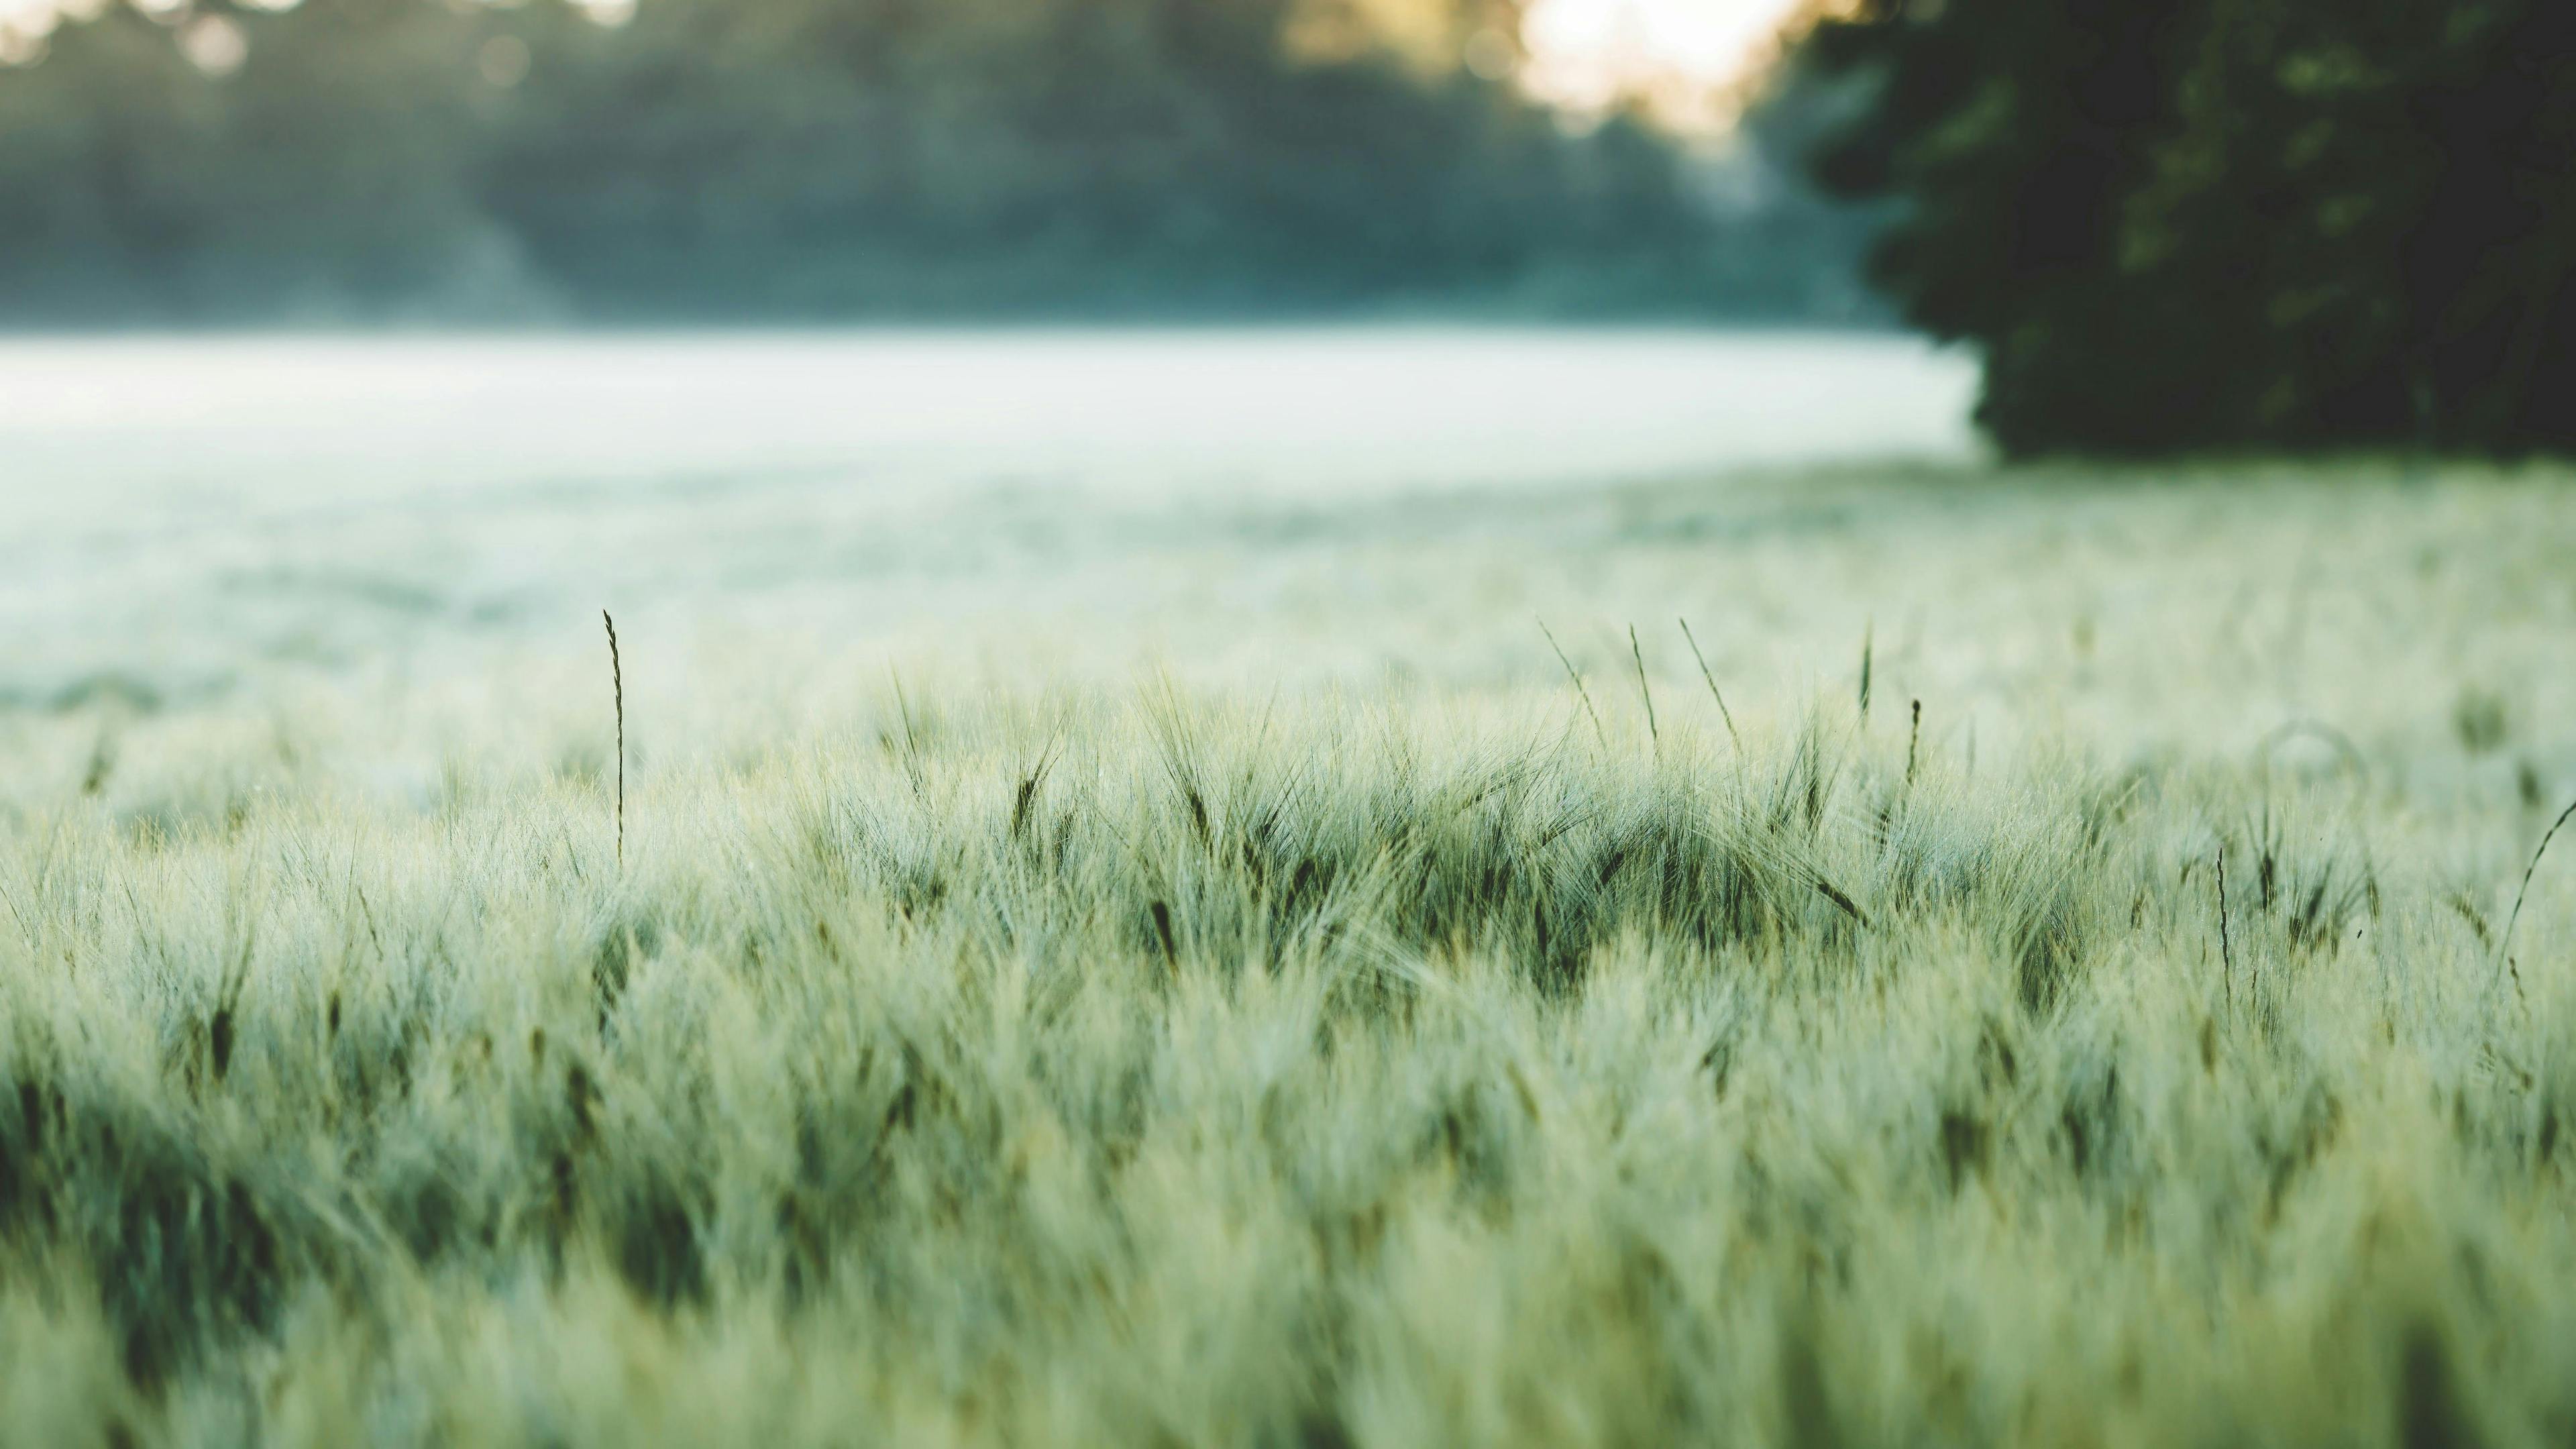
{"points": [[2197, 224]]}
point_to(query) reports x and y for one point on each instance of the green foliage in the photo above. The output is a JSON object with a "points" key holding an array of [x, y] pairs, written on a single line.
{"points": [[812, 159], [1275, 1080], [2231, 223]]}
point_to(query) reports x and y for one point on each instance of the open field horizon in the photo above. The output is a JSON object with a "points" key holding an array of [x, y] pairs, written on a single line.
{"points": [[1109, 944]]}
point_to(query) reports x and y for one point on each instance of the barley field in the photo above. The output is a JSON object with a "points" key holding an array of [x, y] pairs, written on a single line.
{"points": [[2050, 956]]}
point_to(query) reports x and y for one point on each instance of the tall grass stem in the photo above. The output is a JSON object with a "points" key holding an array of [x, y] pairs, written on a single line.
{"points": [[1638, 653], [1572, 673], [617, 686], [1713, 691], [2504, 947]]}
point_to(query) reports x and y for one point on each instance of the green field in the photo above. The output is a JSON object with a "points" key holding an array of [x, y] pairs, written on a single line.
{"points": [[1199, 971]]}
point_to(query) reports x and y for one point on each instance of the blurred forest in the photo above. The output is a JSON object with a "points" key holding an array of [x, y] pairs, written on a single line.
{"points": [[207, 162], [2217, 224]]}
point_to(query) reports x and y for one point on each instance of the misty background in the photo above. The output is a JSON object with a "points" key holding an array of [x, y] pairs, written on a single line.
{"points": [[2158, 226], [806, 161]]}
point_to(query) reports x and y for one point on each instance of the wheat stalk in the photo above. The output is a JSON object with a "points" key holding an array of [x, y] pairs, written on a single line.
{"points": [[1638, 653], [2226, 951], [2504, 947], [1572, 673], [1714, 692], [617, 684]]}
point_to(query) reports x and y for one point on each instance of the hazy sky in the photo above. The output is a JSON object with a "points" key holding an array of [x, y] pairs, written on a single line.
{"points": [[1584, 51]]}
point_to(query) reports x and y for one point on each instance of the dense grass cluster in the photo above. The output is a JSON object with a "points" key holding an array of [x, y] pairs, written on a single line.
{"points": [[1232, 988], [1179, 1069]]}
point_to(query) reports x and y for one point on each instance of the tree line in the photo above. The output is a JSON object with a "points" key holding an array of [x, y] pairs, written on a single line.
{"points": [[814, 160]]}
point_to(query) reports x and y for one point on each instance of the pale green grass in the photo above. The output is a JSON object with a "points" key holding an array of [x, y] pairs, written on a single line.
{"points": [[1337, 1040]]}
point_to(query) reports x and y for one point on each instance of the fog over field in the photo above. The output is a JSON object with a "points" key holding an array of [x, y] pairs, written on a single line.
{"points": [[1370, 887], [194, 513], [1279, 411], [247, 526]]}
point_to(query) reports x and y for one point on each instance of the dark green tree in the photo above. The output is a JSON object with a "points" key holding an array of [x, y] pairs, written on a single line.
{"points": [[2009, 134], [2196, 224], [2384, 194]]}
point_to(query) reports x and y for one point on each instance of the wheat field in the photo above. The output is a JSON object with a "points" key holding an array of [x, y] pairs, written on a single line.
{"points": [[2045, 961]]}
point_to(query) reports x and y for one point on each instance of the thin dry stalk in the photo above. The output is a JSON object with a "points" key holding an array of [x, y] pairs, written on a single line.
{"points": [[617, 683], [1713, 692], [1638, 654], [2504, 948], [1572, 673], [913, 769], [2226, 951]]}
